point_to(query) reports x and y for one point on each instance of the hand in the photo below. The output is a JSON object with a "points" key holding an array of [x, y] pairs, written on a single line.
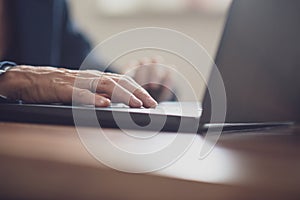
{"points": [[155, 78], [56, 85]]}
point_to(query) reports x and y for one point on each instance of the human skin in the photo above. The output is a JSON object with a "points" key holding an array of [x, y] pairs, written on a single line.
{"points": [[33, 84]]}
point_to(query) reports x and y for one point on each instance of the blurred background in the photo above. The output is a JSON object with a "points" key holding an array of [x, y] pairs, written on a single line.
{"points": [[203, 20]]}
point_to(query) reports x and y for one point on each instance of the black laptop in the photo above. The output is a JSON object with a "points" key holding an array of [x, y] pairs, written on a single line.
{"points": [[258, 58]]}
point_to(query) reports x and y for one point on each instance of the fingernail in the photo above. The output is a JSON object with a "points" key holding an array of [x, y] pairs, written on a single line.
{"points": [[151, 102]]}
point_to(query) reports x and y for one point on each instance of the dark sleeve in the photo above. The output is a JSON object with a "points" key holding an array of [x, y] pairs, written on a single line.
{"points": [[75, 47]]}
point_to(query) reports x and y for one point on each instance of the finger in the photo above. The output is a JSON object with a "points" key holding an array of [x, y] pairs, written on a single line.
{"points": [[85, 78], [93, 74], [132, 68], [138, 91], [167, 86], [157, 59], [142, 73], [70, 94], [116, 92], [126, 90], [156, 72], [109, 87]]}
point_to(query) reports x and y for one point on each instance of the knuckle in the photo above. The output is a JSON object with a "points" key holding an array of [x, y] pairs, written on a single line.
{"points": [[106, 84], [104, 80]]}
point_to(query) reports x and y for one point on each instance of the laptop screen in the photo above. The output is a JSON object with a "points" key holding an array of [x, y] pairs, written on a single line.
{"points": [[259, 60]]}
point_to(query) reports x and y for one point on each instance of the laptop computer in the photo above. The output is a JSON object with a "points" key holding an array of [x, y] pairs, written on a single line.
{"points": [[258, 58]]}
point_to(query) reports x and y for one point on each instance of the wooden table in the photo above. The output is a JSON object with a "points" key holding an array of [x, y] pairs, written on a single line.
{"points": [[50, 162]]}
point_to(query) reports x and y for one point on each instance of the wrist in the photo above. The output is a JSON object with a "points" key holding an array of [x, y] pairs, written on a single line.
{"points": [[10, 82]]}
